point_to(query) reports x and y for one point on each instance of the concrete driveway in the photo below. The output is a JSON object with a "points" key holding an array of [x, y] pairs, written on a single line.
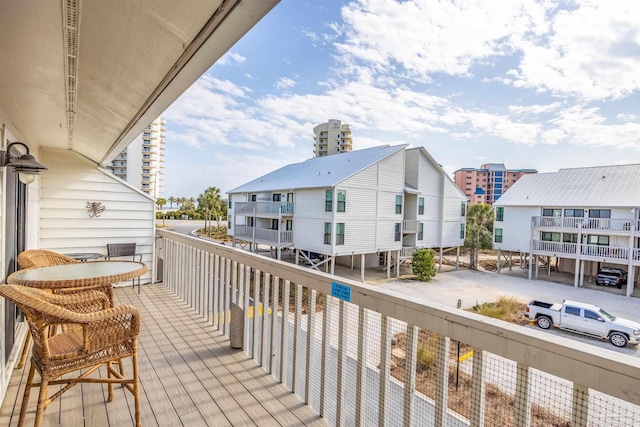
{"points": [[477, 287]]}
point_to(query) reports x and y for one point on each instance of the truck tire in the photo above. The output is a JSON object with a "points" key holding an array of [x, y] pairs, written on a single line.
{"points": [[544, 322], [618, 339]]}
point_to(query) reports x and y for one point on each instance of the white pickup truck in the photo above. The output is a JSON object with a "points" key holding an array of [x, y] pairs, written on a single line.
{"points": [[587, 319]]}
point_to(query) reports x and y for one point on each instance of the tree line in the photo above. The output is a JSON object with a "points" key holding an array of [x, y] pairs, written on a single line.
{"points": [[209, 205]]}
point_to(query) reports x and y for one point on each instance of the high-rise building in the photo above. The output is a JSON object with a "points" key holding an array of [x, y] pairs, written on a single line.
{"points": [[487, 184], [141, 164], [331, 138]]}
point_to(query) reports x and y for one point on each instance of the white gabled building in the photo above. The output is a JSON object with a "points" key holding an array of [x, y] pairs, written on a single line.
{"points": [[586, 217], [368, 203]]}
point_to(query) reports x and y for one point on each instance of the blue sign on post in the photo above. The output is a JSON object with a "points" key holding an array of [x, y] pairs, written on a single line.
{"points": [[340, 291]]}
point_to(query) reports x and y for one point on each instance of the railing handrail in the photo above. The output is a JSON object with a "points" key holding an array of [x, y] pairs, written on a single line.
{"points": [[559, 356], [613, 224]]}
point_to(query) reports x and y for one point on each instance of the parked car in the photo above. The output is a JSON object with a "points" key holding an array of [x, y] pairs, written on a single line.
{"points": [[611, 277], [586, 319]]}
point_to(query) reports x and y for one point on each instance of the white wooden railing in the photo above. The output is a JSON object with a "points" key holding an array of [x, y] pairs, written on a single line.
{"points": [[263, 235], [587, 224], [410, 226], [258, 208], [555, 247], [339, 361], [604, 251], [610, 252]]}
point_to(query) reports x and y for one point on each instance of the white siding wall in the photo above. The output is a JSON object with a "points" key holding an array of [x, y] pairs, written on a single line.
{"points": [[65, 225], [309, 218], [516, 228]]}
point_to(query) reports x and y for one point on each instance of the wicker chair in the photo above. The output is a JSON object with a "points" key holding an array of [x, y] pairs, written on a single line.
{"points": [[38, 258], [96, 335], [42, 258]]}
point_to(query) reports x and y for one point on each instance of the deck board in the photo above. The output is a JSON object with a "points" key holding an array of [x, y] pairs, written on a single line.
{"points": [[189, 375]]}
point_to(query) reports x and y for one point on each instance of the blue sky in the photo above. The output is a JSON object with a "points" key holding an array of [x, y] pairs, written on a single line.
{"points": [[532, 84]]}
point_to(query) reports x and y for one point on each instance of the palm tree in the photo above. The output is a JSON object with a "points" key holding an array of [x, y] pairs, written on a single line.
{"points": [[479, 231], [172, 200], [160, 202], [209, 202]]}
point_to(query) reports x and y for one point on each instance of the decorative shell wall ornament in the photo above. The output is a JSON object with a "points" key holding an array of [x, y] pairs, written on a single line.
{"points": [[95, 209]]}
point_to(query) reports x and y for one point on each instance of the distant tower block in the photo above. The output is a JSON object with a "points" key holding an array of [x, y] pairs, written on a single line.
{"points": [[331, 138]]}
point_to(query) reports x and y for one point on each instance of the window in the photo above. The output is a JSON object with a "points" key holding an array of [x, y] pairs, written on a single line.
{"points": [[397, 231], [328, 201], [575, 311], [574, 213], [591, 315], [274, 224], [289, 197], [250, 222], [229, 225], [420, 231], [569, 238], [327, 233], [289, 225], [463, 208], [398, 204], [462, 231], [499, 214], [275, 197], [498, 238], [420, 205], [342, 197], [230, 207], [598, 240], [145, 171], [551, 212], [340, 233], [550, 237], [254, 197], [599, 213]]}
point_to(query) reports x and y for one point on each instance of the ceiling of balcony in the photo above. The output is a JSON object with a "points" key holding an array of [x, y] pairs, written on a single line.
{"points": [[89, 75]]}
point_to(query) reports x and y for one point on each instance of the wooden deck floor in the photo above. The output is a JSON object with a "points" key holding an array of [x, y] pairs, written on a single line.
{"points": [[189, 376]]}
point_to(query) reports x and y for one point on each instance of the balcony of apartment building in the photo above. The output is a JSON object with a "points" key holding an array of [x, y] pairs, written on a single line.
{"points": [[318, 349], [263, 209], [582, 238]]}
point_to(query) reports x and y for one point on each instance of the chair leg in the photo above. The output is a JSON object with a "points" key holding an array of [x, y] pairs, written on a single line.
{"points": [[44, 390], [27, 392], [110, 386], [136, 383], [25, 350]]}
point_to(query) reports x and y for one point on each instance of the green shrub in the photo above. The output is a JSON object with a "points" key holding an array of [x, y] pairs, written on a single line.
{"points": [[423, 264]]}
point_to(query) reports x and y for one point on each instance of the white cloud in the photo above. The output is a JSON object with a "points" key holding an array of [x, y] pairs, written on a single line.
{"points": [[231, 58], [627, 117], [285, 82], [534, 109], [591, 52], [436, 37]]}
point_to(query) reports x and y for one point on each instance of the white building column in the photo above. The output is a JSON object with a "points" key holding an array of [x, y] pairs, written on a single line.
{"points": [[581, 273], [362, 257], [388, 264]]}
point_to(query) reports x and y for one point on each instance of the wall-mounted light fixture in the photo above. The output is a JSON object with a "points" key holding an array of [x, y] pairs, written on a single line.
{"points": [[26, 165]]}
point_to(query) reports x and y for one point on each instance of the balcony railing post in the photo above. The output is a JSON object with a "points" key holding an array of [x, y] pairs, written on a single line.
{"points": [[311, 330], [245, 305], [442, 381], [266, 319], [361, 366], [385, 369], [274, 315], [326, 348], [579, 406], [522, 410], [297, 326], [342, 362], [284, 365], [410, 358], [256, 348], [477, 389]]}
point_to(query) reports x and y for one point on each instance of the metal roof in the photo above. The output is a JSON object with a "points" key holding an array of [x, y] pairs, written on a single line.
{"points": [[319, 172], [615, 186]]}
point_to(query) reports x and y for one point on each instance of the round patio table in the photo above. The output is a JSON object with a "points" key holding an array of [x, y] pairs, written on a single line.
{"points": [[84, 256], [93, 274]]}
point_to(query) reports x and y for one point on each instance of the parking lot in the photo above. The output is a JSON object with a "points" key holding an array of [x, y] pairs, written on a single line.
{"points": [[473, 287]]}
